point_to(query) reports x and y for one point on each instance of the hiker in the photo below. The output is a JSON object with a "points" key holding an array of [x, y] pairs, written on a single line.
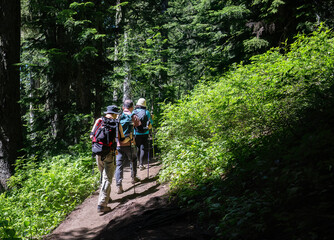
{"points": [[104, 135], [142, 131], [127, 148]]}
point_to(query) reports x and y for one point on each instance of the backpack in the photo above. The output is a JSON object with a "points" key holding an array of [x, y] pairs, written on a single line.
{"points": [[145, 122], [105, 135], [127, 124]]}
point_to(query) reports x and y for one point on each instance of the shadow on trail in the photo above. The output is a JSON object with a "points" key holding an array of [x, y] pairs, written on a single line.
{"points": [[156, 220], [135, 195], [82, 234]]}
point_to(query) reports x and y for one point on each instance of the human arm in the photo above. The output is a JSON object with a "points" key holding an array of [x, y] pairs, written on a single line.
{"points": [[120, 133], [135, 120], [150, 119]]}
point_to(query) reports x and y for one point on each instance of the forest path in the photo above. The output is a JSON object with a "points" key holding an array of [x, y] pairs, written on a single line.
{"points": [[141, 212]]}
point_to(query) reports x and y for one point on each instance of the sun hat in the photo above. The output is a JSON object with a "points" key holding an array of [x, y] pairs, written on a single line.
{"points": [[112, 109], [141, 102]]}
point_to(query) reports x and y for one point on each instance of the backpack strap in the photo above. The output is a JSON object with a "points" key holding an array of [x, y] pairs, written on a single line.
{"points": [[114, 143], [108, 139], [98, 125]]}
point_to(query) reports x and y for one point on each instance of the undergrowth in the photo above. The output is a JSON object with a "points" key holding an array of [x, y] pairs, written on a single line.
{"points": [[43, 193], [253, 153]]}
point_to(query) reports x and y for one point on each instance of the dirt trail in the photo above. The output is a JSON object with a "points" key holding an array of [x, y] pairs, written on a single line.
{"points": [[141, 212]]}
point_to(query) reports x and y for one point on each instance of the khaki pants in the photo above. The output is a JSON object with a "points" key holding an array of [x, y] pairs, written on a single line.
{"points": [[107, 169]]}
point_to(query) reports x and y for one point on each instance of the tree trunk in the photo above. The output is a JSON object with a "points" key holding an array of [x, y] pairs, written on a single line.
{"points": [[34, 85], [83, 92], [164, 34], [10, 117], [118, 18], [127, 77], [60, 79], [98, 98]]}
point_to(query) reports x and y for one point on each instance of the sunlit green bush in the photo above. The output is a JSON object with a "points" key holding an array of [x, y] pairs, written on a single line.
{"points": [[250, 101], [42, 194], [232, 126]]}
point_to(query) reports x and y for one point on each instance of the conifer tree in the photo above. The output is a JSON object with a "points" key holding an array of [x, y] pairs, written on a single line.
{"points": [[10, 114]]}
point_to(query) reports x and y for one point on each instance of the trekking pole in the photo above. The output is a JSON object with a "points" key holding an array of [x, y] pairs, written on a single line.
{"points": [[93, 165], [133, 165], [153, 154], [149, 149], [148, 158]]}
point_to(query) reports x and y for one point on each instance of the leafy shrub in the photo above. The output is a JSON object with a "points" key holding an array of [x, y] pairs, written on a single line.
{"points": [[42, 194], [229, 145]]}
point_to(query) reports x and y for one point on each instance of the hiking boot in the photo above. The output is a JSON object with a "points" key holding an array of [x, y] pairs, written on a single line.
{"points": [[141, 167], [119, 189], [134, 180], [103, 209]]}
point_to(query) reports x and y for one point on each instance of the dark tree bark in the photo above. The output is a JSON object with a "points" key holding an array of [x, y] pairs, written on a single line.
{"points": [[164, 33], [59, 78], [83, 92], [10, 117], [98, 99]]}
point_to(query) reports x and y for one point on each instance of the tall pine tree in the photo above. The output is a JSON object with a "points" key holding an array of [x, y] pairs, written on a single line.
{"points": [[10, 114]]}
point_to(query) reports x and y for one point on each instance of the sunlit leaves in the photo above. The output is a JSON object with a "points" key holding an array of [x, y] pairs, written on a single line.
{"points": [[255, 44], [221, 124], [43, 194]]}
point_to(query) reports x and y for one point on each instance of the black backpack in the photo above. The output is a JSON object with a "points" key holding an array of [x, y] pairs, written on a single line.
{"points": [[105, 136], [145, 122]]}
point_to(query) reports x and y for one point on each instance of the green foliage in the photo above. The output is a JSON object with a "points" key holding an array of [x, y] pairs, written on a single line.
{"points": [[75, 60], [243, 146], [207, 37], [42, 194], [41, 140], [64, 61], [77, 56], [255, 44]]}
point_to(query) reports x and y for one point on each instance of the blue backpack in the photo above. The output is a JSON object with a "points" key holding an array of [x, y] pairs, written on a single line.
{"points": [[127, 124]]}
